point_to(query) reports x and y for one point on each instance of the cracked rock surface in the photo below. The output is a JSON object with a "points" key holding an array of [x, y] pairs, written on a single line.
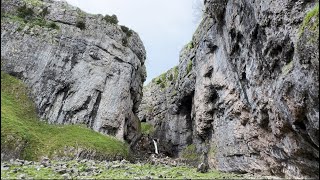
{"points": [[246, 93], [90, 76]]}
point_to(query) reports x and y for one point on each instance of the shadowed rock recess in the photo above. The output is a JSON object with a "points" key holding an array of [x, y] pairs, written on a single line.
{"points": [[245, 92], [80, 68]]}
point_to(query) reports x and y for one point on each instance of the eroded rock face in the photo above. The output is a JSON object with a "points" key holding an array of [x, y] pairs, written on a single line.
{"points": [[250, 101], [87, 71]]}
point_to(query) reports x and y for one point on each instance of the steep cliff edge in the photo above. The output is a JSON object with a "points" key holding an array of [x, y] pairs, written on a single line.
{"points": [[244, 97], [81, 68]]}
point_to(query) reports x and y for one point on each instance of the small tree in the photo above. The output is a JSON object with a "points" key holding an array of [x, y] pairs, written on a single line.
{"points": [[126, 30], [81, 25], [111, 19]]}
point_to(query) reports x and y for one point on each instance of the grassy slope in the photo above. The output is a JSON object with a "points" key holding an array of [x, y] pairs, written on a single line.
{"points": [[19, 121]]}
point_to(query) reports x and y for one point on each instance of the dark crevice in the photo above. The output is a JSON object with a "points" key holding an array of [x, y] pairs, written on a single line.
{"points": [[288, 55], [264, 121], [65, 91], [93, 113], [275, 51], [107, 129], [84, 106], [243, 76], [115, 58], [212, 47], [209, 72], [73, 60], [62, 22]]}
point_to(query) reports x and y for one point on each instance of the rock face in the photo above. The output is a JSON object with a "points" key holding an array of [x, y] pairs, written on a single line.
{"points": [[246, 90], [79, 67]]}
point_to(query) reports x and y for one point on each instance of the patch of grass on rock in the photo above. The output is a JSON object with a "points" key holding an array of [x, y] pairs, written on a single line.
{"points": [[146, 128]]}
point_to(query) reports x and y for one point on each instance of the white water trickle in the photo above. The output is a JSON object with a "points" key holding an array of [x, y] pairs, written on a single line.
{"points": [[155, 146]]}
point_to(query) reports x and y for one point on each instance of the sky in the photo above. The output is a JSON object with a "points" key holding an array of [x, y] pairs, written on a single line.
{"points": [[164, 26]]}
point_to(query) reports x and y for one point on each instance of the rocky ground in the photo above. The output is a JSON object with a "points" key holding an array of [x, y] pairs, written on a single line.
{"points": [[154, 168]]}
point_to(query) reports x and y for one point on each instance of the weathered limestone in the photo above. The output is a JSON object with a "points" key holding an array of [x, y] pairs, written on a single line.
{"points": [[91, 75], [250, 102]]}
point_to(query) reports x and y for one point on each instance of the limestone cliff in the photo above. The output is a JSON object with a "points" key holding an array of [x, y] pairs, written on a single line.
{"points": [[81, 68], [245, 91]]}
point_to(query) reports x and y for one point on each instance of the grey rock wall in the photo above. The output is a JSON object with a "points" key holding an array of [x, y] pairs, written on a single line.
{"points": [[89, 76], [250, 101]]}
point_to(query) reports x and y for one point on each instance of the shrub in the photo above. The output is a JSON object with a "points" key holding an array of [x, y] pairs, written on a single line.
{"points": [[190, 45], [158, 80], [44, 12], [53, 25], [111, 19], [25, 13], [39, 22], [81, 25], [126, 30]]}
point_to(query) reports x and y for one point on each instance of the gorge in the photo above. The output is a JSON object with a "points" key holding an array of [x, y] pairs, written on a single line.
{"points": [[244, 97]]}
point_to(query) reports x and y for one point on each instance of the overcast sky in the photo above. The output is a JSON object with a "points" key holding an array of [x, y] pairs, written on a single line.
{"points": [[164, 26]]}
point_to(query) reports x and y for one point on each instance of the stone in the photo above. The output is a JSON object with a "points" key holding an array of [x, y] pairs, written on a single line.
{"points": [[22, 176], [203, 168], [5, 168], [124, 161], [15, 170], [66, 176], [61, 171]]}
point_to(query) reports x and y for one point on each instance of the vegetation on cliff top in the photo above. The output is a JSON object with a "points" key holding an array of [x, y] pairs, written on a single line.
{"points": [[170, 75], [19, 123], [27, 16]]}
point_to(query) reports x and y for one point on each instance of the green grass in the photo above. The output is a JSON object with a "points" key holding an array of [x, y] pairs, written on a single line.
{"points": [[122, 171], [20, 122], [30, 171], [146, 128], [161, 80], [190, 45], [154, 171], [313, 14], [31, 22]]}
